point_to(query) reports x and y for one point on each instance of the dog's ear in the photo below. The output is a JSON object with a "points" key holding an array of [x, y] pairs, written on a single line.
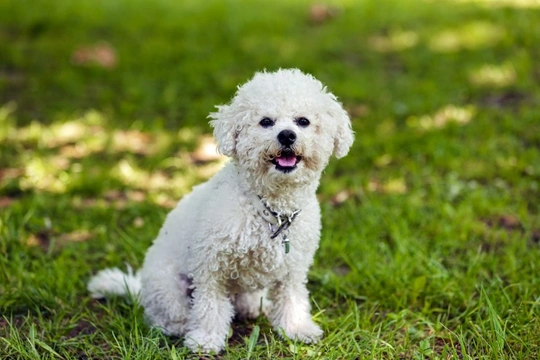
{"points": [[225, 131], [344, 136]]}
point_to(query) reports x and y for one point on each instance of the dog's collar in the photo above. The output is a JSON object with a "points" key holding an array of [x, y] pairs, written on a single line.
{"points": [[278, 223]]}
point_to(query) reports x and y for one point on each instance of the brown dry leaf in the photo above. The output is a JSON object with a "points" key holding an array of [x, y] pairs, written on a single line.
{"points": [[340, 197], [86, 203], [6, 201], [10, 173], [116, 198], [76, 236], [112, 195], [165, 201], [358, 110], [510, 222], [132, 141], [320, 13], [77, 151], [100, 54], [41, 239], [138, 222], [32, 240], [135, 195]]}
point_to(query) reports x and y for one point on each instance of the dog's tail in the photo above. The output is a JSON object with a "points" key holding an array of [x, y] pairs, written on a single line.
{"points": [[115, 282]]}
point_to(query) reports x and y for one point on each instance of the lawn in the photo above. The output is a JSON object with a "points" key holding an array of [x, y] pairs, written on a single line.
{"points": [[431, 228]]}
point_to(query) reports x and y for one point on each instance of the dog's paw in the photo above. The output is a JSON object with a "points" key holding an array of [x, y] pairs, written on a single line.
{"points": [[199, 341], [307, 331], [172, 328]]}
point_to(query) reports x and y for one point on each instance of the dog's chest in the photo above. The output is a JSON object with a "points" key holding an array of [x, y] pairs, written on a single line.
{"points": [[254, 265]]}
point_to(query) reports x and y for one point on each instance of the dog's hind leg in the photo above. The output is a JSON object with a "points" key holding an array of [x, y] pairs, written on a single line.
{"points": [[166, 299], [209, 318]]}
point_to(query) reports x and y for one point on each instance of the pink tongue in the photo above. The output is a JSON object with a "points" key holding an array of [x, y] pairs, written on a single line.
{"points": [[286, 161]]}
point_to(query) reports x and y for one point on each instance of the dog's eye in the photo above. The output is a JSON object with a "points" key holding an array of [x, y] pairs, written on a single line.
{"points": [[266, 122], [302, 122]]}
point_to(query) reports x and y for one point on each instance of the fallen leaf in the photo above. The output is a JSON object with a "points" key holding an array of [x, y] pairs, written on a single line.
{"points": [[132, 141], [76, 236], [113, 195], [138, 222], [135, 195], [10, 173], [101, 54], [6, 201], [320, 13], [41, 238], [340, 197], [342, 270], [358, 110]]}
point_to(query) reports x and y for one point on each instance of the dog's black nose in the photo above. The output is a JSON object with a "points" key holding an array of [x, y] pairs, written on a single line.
{"points": [[287, 137]]}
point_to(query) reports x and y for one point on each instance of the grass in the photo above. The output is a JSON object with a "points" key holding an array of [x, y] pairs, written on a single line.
{"points": [[430, 247]]}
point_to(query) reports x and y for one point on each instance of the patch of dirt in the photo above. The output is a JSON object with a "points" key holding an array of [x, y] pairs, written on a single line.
{"points": [[342, 270], [510, 224], [505, 222], [510, 99], [440, 344], [16, 321], [43, 238], [12, 77], [535, 237], [82, 328], [240, 331]]}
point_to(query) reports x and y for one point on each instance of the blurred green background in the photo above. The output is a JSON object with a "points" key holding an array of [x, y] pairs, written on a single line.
{"points": [[431, 224]]}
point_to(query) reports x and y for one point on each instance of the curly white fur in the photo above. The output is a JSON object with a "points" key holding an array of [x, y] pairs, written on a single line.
{"points": [[214, 256]]}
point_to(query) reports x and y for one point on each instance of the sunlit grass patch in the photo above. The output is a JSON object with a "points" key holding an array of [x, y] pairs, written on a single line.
{"points": [[63, 155], [443, 117], [471, 36], [395, 41], [526, 4], [494, 75]]}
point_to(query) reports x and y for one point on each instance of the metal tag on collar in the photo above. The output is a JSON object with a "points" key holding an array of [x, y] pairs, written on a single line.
{"points": [[286, 243], [284, 225]]}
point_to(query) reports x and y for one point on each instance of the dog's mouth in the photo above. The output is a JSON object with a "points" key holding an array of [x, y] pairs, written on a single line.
{"points": [[286, 161]]}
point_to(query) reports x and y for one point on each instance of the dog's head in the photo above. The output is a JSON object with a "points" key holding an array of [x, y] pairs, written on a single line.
{"points": [[283, 125]]}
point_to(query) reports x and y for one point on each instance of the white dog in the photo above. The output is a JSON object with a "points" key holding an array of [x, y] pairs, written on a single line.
{"points": [[251, 231]]}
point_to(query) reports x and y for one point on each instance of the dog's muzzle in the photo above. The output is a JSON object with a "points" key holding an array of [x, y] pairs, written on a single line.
{"points": [[287, 159]]}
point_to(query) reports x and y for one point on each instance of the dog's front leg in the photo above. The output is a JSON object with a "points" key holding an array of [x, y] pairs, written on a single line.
{"points": [[290, 313], [209, 319]]}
